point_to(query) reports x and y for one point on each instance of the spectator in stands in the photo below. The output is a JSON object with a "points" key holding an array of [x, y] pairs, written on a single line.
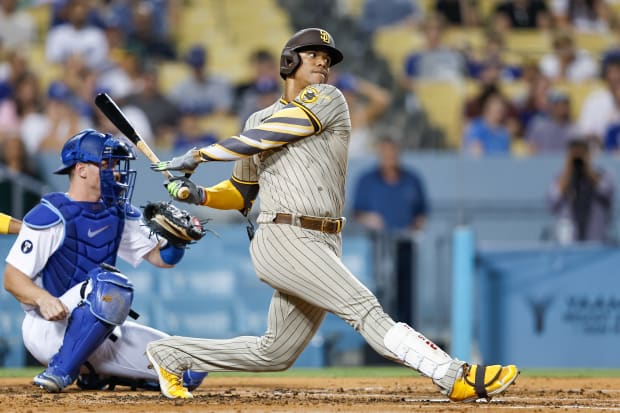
{"points": [[390, 197], [524, 14], [611, 137], [261, 90], [15, 65], [367, 103], [436, 62], [534, 100], [77, 37], [551, 132], [208, 93], [61, 120], [488, 134], [115, 75], [381, 13], [190, 132], [14, 158], [493, 52], [600, 109], [29, 103], [17, 27], [146, 39], [161, 112], [583, 15], [9, 121], [489, 83], [459, 12], [581, 197], [566, 62]]}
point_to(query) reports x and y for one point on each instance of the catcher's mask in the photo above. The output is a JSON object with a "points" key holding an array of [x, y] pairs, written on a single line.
{"points": [[307, 39], [113, 157]]}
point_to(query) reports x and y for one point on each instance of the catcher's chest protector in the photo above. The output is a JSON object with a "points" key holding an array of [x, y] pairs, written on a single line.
{"points": [[92, 236]]}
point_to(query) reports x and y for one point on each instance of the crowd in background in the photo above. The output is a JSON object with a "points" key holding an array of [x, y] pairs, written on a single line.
{"points": [[118, 47]]}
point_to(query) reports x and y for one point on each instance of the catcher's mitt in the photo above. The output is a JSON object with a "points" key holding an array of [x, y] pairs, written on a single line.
{"points": [[176, 225]]}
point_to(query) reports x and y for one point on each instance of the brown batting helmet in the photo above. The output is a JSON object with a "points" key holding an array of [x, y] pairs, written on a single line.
{"points": [[307, 38]]}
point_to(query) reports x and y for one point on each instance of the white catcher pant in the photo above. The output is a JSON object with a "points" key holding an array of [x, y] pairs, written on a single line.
{"points": [[125, 357]]}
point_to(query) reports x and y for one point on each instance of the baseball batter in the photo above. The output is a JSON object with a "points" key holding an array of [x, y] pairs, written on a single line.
{"points": [[61, 269], [8, 224], [295, 151]]}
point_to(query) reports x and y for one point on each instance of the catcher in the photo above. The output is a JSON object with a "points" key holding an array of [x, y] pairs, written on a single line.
{"points": [[61, 269]]}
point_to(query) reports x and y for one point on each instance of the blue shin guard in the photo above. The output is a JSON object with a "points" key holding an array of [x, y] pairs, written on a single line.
{"points": [[84, 334], [107, 305]]}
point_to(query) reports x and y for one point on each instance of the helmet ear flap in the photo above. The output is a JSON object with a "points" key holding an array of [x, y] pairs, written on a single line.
{"points": [[288, 62]]}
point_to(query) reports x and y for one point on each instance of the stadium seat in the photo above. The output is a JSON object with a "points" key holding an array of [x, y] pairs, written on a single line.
{"points": [[528, 43], [170, 74], [394, 44], [443, 104], [46, 71], [578, 92], [595, 43]]}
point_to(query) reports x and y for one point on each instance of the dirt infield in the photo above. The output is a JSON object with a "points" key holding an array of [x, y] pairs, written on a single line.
{"points": [[268, 394]]}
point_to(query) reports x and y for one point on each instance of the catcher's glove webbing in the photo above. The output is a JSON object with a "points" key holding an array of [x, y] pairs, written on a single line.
{"points": [[176, 225]]}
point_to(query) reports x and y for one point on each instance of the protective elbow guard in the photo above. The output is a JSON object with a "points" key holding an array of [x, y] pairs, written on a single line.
{"points": [[171, 254]]}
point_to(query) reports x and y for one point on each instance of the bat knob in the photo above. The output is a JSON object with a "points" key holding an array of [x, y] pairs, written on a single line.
{"points": [[183, 193]]}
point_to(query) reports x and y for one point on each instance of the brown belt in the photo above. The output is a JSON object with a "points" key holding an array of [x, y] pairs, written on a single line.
{"points": [[327, 225]]}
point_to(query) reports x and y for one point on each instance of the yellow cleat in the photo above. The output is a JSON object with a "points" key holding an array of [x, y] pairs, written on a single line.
{"points": [[482, 382], [170, 384]]}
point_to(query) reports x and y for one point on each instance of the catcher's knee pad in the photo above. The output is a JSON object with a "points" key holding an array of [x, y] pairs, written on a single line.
{"points": [[111, 295]]}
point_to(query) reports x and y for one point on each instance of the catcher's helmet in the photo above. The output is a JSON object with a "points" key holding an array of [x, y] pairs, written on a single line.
{"points": [[95, 147], [307, 38]]}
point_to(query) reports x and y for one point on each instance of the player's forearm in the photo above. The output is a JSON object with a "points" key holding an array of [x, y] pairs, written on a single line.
{"points": [[22, 287], [14, 226], [231, 194]]}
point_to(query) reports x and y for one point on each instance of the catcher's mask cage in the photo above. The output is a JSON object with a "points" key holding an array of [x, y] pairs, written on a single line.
{"points": [[103, 149], [307, 39]]}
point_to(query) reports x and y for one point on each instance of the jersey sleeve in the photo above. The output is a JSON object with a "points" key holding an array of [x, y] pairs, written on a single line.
{"points": [[317, 108], [135, 242], [325, 105], [33, 247]]}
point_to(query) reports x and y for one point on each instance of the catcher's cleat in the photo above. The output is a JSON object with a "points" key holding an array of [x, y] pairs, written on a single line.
{"points": [[482, 382], [171, 385], [51, 382]]}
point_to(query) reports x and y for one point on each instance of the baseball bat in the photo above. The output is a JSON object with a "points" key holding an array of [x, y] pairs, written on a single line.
{"points": [[111, 110]]}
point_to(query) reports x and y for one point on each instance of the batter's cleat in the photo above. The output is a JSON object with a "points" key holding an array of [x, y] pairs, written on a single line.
{"points": [[53, 383], [192, 379], [170, 384], [482, 382]]}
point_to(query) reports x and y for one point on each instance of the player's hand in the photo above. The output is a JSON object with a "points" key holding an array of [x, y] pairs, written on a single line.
{"points": [[196, 192], [185, 163], [52, 309]]}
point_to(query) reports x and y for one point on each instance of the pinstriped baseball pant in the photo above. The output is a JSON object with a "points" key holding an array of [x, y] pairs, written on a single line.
{"points": [[305, 269]]}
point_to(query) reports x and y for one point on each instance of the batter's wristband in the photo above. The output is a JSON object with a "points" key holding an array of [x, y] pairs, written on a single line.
{"points": [[5, 220]]}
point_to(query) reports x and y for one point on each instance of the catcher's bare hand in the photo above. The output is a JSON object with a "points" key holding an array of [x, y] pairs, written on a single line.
{"points": [[185, 163], [176, 184], [52, 309]]}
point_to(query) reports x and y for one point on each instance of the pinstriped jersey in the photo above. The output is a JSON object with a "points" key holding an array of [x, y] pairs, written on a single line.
{"points": [[296, 152]]}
